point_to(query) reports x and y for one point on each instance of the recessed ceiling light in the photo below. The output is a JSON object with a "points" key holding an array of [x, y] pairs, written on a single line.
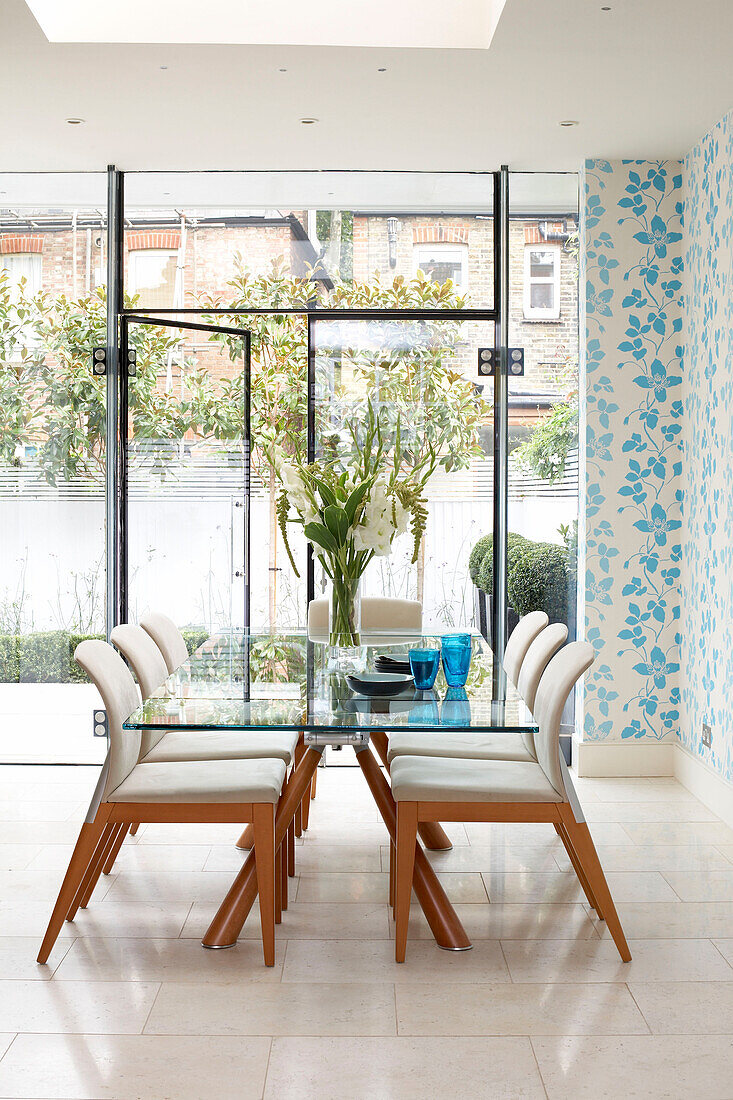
{"points": [[605, 8], [308, 121], [381, 70], [569, 122], [74, 121], [282, 70], [163, 68]]}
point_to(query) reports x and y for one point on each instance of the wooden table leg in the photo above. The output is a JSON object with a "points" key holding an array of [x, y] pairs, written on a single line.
{"points": [[432, 834], [233, 911], [441, 916]]}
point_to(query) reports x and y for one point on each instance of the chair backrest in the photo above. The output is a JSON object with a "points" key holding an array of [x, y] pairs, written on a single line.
{"points": [[377, 613], [148, 664], [167, 637], [520, 639], [558, 680], [115, 684], [536, 659]]}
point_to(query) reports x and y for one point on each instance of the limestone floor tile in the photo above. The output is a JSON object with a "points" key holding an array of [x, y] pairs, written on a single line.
{"points": [[28, 918], [402, 1069], [28, 790], [647, 811], [18, 887], [679, 832], [129, 919], [140, 1067], [633, 789], [655, 857], [370, 886], [653, 1067], [172, 960], [23, 810], [303, 921], [726, 850], [273, 1009], [683, 920], [39, 832], [725, 946], [521, 833], [177, 887], [563, 886], [311, 857], [5, 1041], [373, 961], [182, 833], [686, 1008], [512, 922], [16, 857], [76, 1007], [702, 885], [599, 961], [50, 773], [162, 857], [18, 958], [491, 857], [490, 1009]]}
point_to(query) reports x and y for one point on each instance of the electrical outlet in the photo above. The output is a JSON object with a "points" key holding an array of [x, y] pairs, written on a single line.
{"points": [[707, 735]]}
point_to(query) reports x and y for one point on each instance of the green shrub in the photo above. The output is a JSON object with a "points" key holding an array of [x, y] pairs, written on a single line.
{"points": [[538, 580], [35, 658], [485, 577], [194, 638], [477, 555], [77, 675]]}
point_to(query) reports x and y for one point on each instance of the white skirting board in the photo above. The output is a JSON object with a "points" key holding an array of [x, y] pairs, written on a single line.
{"points": [[599, 759], [712, 790]]}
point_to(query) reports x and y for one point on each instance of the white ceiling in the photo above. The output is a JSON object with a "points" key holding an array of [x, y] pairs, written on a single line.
{"points": [[644, 80], [459, 24]]}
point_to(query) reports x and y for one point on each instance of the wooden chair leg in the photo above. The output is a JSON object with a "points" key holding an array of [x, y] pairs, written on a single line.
{"points": [[107, 851], [585, 850], [106, 870], [264, 831], [291, 849], [100, 853], [284, 872], [134, 828], [305, 807], [314, 783], [85, 847], [577, 867], [405, 866], [247, 839], [391, 877], [278, 888]]}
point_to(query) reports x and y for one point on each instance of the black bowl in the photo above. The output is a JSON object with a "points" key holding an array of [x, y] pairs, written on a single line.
{"points": [[378, 683]]}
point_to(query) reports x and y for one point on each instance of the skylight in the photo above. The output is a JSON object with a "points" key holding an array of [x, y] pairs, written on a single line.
{"points": [[459, 24]]}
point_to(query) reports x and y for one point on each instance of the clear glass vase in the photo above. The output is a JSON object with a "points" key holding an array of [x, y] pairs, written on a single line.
{"points": [[345, 650]]}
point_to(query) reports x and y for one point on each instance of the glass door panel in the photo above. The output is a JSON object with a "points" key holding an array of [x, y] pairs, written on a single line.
{"points": [[420, 378], [187, 474]]}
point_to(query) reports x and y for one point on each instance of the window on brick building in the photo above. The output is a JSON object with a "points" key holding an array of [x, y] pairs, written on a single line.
{"points": [[22, 265], [152, 276], [542, 282], [443, 261]]}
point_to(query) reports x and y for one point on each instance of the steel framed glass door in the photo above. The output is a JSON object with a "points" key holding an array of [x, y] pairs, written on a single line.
{"points": [[184, 475]]}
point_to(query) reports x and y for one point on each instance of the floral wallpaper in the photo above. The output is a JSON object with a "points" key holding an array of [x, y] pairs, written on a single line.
{"points": [[707, 564], [633, 260]]}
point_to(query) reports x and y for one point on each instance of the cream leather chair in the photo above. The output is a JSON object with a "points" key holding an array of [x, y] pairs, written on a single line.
{"points": [[377, 613], [490, 746], [184, 791], [167, 637], [430, 789], [520, 639]]}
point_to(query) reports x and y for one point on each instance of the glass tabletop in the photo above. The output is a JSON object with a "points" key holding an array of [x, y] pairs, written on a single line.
{"points": [[255, 682]]}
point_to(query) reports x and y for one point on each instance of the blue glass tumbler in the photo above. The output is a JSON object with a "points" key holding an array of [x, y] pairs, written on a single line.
{"points": [[424, 665], [456, 652], [456, 709]]}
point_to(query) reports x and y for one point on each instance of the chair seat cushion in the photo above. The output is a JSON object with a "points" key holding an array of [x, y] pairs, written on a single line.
{"points": [[460, 746], [195, 745], [203, 781], [433, 779]]}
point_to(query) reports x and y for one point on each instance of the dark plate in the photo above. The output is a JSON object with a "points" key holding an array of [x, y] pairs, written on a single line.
{"points": [[378, 683]]}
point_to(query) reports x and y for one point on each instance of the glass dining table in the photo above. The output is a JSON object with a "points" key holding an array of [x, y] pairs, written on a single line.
{"points": [[249, 683]]}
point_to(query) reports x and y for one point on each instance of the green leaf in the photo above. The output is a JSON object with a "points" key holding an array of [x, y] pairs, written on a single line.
{"points": [[355, 499], [337, 522], [321, 536]]}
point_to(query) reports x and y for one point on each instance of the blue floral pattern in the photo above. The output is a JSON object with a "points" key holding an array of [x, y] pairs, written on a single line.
{"points": [[707, 561], [633, 240]]}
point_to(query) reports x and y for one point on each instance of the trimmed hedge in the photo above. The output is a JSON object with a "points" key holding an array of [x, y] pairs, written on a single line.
{"points": [[47, 657], [537, 575]]}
